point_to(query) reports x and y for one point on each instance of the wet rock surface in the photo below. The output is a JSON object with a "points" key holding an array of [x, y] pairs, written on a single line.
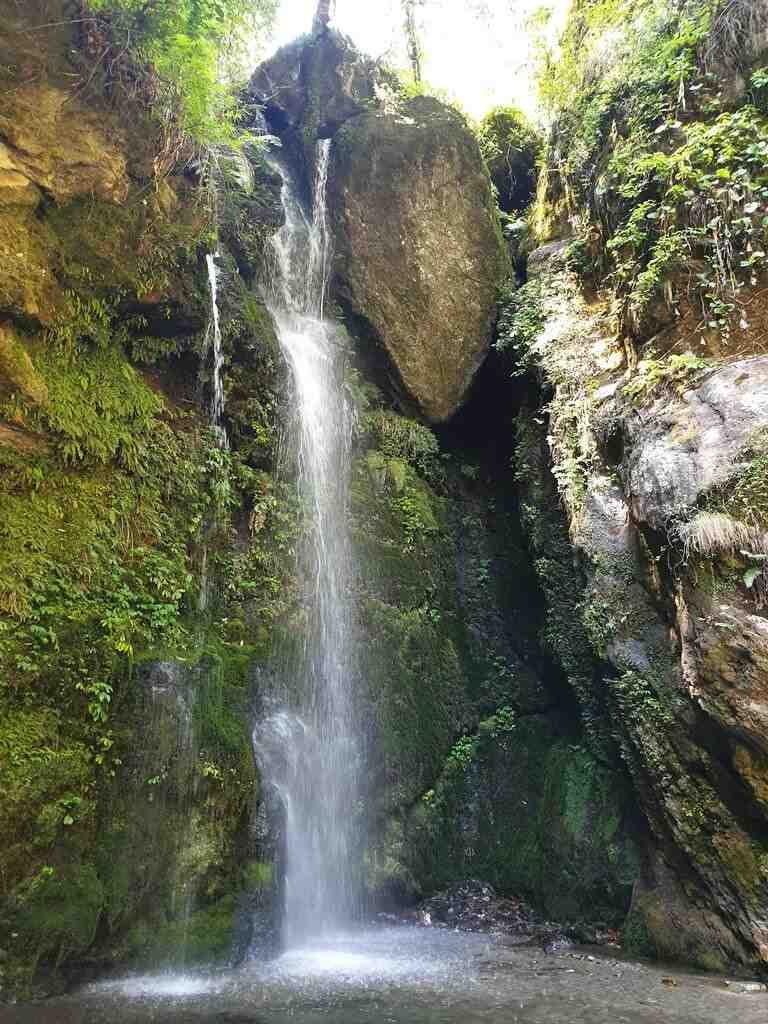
{"points": [[415, 976], [682, 640], [680, 449], [475, 906]]}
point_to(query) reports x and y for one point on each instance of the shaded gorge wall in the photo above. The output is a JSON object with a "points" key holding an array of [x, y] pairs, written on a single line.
{"points": [[138, 829]]}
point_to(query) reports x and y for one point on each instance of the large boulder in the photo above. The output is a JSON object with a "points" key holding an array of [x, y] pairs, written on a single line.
{"points": [[418, 253], [316, 82]]}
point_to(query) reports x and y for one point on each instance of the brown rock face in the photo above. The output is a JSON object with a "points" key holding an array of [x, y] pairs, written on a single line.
{"points": [[315, 83], [50, 141], [418, 256]]}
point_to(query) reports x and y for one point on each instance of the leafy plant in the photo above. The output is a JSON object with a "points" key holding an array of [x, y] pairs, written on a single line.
{"points": [[754, 572], [521, 322], [675, 371], [511, 147], [710, 213], [669, 186], [192, 53]]}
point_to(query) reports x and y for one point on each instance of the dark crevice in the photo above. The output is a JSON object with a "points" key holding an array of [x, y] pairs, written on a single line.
{"points": [[483, 435], [277, 119]]}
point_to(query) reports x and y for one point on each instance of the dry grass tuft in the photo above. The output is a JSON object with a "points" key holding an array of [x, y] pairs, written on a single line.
{"points": [[713, 533], [739, 34]]}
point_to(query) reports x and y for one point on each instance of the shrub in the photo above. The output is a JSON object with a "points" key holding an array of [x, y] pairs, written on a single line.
{"points": [[189, 54], [511, 147], [666, 178]]}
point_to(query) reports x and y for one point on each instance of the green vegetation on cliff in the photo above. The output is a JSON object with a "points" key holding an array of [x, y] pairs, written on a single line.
{"points": [[659, 153], [511, 148], [128, 537], [523, 805], [183, 54]]}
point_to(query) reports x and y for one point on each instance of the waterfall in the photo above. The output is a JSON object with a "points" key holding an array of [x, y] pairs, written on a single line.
{"points": [[308, 749], [214, 335]]}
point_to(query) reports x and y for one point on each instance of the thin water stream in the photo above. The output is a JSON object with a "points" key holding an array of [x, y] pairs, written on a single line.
{"points": [[217, 354]]}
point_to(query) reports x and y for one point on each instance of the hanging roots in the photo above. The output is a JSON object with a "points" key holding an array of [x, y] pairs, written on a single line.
{"points": [[739, 34]]}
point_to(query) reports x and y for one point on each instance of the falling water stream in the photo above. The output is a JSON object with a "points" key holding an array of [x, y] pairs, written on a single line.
{"points": [[308, 748], [217, 353]]}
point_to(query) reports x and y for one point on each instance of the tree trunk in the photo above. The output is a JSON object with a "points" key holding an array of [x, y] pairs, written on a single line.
{"points": [[412, 38], [323, 16]]}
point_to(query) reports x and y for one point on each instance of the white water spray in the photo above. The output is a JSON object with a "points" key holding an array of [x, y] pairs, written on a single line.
{"points": [[308, 750]]}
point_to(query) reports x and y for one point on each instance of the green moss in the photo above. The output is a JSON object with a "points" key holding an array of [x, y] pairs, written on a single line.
{"points": [[520, 805], [98, 407], [99, 565], [415, 674], [116, 815], [59, 910], [28, 288], [675, 372], [134, 246], [205, 937], [46, 780], [258, 876], [636, 938], [396, 437], [208, 935], [17, 369], [413, 635], [565, 634]]}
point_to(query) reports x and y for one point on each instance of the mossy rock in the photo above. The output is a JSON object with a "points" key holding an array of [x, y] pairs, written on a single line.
{"points": [[419, 253], [59, 911], [524, 806], [17, 369]]}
